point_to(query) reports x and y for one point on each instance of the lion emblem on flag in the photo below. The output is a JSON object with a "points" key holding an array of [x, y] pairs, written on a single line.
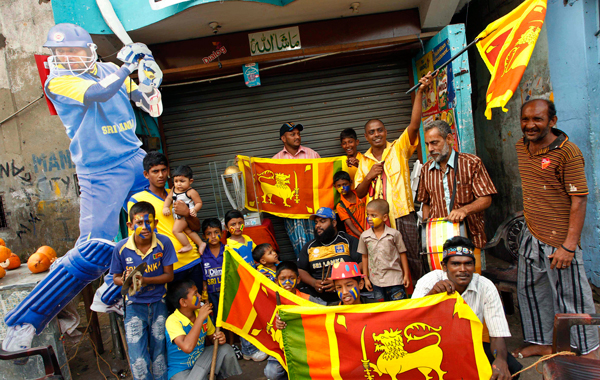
{"points": [[395, 360], [280, 189]]}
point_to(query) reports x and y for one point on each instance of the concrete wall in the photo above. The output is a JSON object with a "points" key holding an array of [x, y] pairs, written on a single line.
{"points": [[496, 138], [37, 181], [575, 70]]}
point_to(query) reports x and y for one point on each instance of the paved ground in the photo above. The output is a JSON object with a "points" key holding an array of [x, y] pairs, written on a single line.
{"points": [[84, 364]]}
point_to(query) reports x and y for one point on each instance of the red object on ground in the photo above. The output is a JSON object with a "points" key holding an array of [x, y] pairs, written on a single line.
{"points": [[44, 71], [264, 233]]}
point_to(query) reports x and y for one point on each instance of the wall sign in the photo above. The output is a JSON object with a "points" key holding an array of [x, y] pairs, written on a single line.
{"points": [[274, 41], [251, 75], [220, 49]]}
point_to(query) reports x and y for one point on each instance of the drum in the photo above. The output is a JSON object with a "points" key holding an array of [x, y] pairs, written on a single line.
{"points": [[434, 234]]}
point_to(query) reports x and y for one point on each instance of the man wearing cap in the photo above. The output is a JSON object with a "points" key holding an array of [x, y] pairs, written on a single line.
{"points": [[320, 254], [480, 294], [300, 231]]}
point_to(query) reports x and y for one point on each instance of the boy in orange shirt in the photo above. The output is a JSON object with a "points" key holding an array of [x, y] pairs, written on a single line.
{"points": [[350, 208]]}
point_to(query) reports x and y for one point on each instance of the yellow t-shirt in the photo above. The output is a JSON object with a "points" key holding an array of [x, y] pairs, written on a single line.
{"points": [[352, 169], [397, 189], [165, 227]]}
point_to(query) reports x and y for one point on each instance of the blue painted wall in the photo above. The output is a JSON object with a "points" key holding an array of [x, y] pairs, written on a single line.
{"points": [[575, 73], [455, 34]]}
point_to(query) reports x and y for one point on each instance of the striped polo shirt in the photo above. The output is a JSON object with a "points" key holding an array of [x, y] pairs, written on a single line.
{"points": [[549, 178], [473, 182]]}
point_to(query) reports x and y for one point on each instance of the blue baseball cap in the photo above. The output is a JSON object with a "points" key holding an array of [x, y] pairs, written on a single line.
{"points": [[288, 127], [323, 212]]}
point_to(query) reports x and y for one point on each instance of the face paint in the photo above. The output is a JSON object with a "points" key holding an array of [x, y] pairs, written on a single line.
{"points": [[231, 230], [242, 228], [354, 293], [148, 221], [343, 189], [375, 221], [196, 300], [288, 282]]}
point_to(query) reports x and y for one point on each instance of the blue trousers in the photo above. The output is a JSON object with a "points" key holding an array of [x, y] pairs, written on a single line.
{"points": [[274, 370], [146, 339]]}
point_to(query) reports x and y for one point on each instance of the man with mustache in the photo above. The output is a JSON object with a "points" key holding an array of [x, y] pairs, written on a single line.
{"points": [[327, 248], [383, 173], [474, 187], [298, 230], [551, 275]]}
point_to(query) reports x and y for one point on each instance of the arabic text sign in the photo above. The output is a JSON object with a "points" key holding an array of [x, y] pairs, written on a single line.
{"points": [[274, 41]]}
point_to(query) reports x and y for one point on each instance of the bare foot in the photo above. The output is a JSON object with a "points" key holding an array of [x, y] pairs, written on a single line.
{"points": [[185, 249], [530, 349]]}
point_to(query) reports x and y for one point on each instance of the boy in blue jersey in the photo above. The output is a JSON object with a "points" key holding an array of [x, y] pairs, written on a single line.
{"points": [[212, 259], [145, 311], [92, 100], [186, 332]]}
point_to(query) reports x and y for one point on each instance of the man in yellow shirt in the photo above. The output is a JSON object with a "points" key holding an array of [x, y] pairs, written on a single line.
{"points": [[383, 173]]}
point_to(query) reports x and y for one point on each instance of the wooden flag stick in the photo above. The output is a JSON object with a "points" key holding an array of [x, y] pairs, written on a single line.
{"points": [[213, 365], [434, 73]]}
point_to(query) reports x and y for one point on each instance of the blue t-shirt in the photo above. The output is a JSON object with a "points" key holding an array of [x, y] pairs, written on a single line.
{"points": [[161, 253], [102, 133], [213, 268], [177, 325]]}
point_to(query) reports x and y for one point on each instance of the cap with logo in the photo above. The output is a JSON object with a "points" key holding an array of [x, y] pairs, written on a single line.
{"points": [[323, 212], [288, 127], [345, 270]]}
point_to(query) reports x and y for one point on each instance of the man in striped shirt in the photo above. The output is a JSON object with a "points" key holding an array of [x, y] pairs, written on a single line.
{"points": [[474, 186], [480, 294], [300, 231], [551, 275]]}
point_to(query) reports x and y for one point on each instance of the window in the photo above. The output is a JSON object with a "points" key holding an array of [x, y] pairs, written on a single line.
{"points": [[3, 221]]}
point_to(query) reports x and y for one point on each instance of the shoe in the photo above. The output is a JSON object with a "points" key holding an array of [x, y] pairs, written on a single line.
{"points": [[258, 356], [18, 337], [237, 351]]}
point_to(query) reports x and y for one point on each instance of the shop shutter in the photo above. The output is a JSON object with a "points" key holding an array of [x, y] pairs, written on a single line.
{"points": [[215, 121]]}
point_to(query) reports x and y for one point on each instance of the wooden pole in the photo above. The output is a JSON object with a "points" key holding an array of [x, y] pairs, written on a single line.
{"points": [[214, 358]]}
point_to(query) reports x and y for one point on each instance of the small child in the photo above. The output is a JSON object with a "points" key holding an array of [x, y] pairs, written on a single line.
{"points": [[349, 142], [267, 259], [186, 331], [145, 311], [384, 254], [212, 260], [182, 191], [350, 208], [236, 240], [288, 277], [243, 245]]}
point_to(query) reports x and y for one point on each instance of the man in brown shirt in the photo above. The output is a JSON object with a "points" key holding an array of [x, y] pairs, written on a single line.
{"points": [[474, 190], [551, 276]]}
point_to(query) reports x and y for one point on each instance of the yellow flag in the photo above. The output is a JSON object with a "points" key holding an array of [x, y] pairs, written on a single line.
{"points": [[507, 48]]}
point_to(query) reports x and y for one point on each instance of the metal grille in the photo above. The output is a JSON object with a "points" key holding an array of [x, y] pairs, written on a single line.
{"points": [[214, 122]]}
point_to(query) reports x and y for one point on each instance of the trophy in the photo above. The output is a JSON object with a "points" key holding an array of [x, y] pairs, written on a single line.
{"points": [[233, 185]]}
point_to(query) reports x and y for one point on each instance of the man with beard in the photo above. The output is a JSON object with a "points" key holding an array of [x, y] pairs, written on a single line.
{"points": [[473, 191], [298, 230], [327, 248], [551, 275]]}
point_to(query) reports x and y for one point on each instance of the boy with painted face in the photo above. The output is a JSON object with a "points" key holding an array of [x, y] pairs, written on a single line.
{"points": [[186, 331], [384, 254], [145, 311], [266, 259], [212, 262], [242, 244], [350, 208]]}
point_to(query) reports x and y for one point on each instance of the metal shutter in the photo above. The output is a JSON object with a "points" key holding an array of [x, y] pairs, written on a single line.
{"points": [[214, 122]]}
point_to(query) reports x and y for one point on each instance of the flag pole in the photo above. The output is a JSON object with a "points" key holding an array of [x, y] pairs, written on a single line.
{"points": [[449, 61], [213, 365]]}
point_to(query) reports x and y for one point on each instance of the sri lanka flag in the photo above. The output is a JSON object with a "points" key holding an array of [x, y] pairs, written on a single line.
{"points": [[506, 48], [437, 337], [290, 188], [248, 303]]}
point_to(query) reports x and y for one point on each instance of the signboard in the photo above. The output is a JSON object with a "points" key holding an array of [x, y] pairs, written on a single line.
{"points": [[160, 4], [274, 41], [251, 75], [438, 102], [41, 62]]}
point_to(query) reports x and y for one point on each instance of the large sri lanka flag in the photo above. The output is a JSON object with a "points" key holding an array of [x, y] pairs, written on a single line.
{"points": [[506, 48], [437, 337], [248, 302], [290, 188]]}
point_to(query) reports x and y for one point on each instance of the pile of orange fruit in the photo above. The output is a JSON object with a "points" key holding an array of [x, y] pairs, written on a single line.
{"points": [[39, 262]]}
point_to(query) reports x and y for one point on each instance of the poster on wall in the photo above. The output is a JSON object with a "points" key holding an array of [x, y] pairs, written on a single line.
{"points": [[439, 100]]}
